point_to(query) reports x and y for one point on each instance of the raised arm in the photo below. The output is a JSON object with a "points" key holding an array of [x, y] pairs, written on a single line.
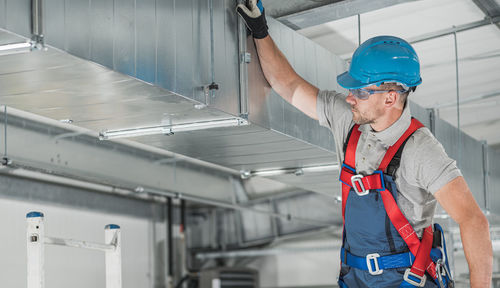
{"points": [[278, 72], [456, 198]]}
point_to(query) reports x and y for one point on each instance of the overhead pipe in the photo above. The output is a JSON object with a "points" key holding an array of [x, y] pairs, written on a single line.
{"points": [[143, 193], [222, 204], [266, 252], [170, 235]]}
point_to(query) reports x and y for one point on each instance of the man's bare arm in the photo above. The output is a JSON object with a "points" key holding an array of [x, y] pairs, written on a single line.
{"points": [[456, 198], [284, 80]]}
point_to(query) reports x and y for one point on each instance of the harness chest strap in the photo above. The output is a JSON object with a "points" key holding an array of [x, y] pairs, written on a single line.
{"points": [[422, 254]]}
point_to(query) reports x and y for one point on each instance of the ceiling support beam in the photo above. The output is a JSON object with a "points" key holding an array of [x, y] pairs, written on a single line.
{"points": [[334, 11], [450, 31], [490, 8]]}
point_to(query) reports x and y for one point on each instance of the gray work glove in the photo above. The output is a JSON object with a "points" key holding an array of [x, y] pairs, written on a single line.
{"points": [[254, 15]]}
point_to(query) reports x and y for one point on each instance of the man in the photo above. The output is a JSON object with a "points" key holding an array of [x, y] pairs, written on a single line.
{"points": [[387, 210]]}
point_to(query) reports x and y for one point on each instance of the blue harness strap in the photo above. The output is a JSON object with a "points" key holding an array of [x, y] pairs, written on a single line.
{"points": [[401, 260]]}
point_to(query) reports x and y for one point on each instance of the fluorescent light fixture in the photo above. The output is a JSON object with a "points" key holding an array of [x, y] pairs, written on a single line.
{"points": [[171, 129], [15, 48], [284, 171]]}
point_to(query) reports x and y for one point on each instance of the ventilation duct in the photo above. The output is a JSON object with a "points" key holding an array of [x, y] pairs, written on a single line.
{"points": [[173, 63]]}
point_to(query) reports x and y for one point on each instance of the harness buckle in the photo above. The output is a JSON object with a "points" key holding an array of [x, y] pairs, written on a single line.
{"points": [[374, 257], [358, 179], [421, 279]]}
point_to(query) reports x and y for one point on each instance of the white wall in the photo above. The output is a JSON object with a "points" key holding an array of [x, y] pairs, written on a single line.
{"points": [[300, 269]]}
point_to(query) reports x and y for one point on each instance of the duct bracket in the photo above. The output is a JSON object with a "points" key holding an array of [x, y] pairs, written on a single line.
{"points": [[6, 161], [37, 39], [209, 91]]}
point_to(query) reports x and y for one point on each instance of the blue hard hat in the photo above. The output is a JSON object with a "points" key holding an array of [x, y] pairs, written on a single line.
{"points": [[382, 59]]}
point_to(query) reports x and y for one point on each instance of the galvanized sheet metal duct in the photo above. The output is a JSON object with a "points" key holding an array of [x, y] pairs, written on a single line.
{"points": [[167, 43]]}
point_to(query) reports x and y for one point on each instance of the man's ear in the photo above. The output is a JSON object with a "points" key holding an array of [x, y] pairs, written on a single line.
{"points": [[391, 98]]}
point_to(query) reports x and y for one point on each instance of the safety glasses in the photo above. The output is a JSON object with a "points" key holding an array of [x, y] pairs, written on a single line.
{"points": [[363, 94]]}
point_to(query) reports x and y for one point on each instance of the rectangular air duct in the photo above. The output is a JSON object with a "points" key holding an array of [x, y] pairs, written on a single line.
{"points": [[176, 62]]}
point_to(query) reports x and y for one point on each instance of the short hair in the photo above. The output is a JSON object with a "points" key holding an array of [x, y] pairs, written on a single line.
{"points": [[398, 87]]}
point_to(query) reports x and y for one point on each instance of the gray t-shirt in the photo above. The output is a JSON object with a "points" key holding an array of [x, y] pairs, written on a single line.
{"points": [[424, 168]]}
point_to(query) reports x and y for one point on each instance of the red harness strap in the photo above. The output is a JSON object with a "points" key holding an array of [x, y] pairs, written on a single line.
{"points": [[349, 159], [421, 249]]}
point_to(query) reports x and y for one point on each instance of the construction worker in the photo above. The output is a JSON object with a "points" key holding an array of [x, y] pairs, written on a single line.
{"points": [[393, 168]]}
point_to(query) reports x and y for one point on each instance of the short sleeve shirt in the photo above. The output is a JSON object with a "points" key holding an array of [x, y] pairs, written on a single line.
{"points": [[424, 168]]}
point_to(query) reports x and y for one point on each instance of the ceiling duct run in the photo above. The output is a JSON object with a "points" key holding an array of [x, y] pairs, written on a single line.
{"points": [[169, 64], [189, 64]]}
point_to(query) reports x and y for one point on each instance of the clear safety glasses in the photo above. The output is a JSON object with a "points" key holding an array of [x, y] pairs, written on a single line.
{"points": [[363, 94]]}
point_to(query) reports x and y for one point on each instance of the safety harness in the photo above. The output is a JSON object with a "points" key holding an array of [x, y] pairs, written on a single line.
{"points": [[419, 257]]}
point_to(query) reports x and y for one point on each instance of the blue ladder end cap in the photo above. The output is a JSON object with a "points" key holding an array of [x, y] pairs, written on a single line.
{"points": [[34, 214], [112, 226]]}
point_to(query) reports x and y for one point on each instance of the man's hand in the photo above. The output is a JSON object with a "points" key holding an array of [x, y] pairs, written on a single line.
{"points": [[254, 15]]}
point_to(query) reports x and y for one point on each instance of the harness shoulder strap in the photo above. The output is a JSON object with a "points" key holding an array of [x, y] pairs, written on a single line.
{"points": [[347, 139], [350, 160], [391, 152], [396, 160], [352, 144]]}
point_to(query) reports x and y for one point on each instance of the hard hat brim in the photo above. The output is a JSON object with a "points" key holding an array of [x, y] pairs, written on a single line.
{"points": [[348, 82]]}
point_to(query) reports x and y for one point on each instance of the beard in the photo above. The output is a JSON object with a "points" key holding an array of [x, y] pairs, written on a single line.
{"points": [[360, 118]]}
